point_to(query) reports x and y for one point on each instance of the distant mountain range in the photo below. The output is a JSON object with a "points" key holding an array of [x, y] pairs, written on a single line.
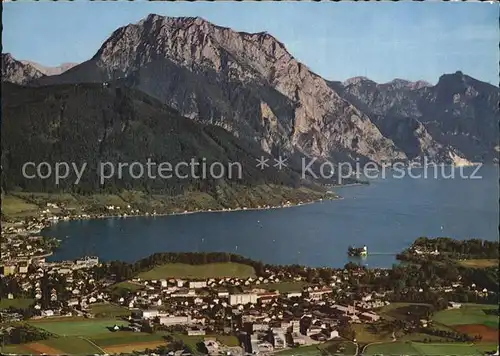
{"points": [[51, 70], [23, 72], [250, 85]]}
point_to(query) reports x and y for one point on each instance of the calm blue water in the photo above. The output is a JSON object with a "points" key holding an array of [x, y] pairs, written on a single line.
{"points": [[386, 215]]}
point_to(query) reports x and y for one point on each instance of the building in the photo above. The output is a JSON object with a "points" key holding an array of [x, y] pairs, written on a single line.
{"points": [[197, 284], [294, 295], [370, 316], [23, 266], [9, 269], [149, 314], [174, 320], [196, 332], [48, 312], [235, 299], [318, 294], [87, 261]]}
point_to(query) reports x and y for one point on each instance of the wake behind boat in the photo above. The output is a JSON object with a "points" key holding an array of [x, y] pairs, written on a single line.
{"points": [[357, 251]]}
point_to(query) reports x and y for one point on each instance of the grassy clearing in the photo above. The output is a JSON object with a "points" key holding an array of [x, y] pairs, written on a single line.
{"points": [[124, 337], [491, 324], [72, 345], [415, 348], [118, 288], [312, 350], [339, 347], [467, 314], [479, 263], [456, 349], [15, 349], [107, 310], [392, 348], [228, 340], [334, 347], [402, 310], [365, 336], [80, 327], [14, 206], [211, 270], [18, 303]]}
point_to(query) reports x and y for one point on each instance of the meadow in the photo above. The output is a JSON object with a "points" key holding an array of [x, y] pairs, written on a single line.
{"points": [[211, 270], [18, 303], [77, 326], [467, 314], [416, 348], [107, 310]]}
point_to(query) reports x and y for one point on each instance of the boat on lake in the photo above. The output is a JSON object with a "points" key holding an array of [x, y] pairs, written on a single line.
{"points": [[357, 251]]}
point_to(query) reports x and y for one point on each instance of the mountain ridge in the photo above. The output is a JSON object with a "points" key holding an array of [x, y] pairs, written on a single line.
{"points": [[316, 121], [249, 84]]}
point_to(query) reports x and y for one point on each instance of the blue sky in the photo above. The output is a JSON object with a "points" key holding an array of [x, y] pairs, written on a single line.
{"points": [[382, 41]]}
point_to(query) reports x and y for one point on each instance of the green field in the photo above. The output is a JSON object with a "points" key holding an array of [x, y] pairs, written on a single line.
{"points": [[124, 337], [312, 350], [415, 348], [334, 347], [400, 310], [77, 327], [365, 336], [15, 349], [467, 314], [339, 347], [108, 310], [447, 349], [479, 263], [13, 206], [18, 303], [392, 348], [211, 270]]}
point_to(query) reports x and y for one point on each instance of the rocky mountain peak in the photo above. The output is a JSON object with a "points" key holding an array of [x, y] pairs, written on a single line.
{"points": [[17, 72], [357, 80]]}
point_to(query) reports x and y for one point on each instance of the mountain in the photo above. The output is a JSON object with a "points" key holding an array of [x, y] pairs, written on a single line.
{"points": [[93, 123], [247, 83], [51, 70], [17, 72], [457, 116], [250, 85]]}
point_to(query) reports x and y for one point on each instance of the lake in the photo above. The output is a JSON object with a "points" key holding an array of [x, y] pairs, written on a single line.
{"points": [[386, 215]]}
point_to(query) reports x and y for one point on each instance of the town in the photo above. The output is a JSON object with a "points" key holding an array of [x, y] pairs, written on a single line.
{"points": [[224, 303]]}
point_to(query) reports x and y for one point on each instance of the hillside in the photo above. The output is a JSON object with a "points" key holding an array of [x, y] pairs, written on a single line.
{"points": [[92, 123], [459, 114], [247, 83], [250, 85]]}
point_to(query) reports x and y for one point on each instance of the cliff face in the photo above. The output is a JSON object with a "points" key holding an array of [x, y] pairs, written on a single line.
{"points": [[246, 83], [17, 72], [458, 116], [253, 87]]}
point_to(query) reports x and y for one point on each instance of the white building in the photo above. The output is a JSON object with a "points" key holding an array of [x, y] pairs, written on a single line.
{"points": [[175, 320], [149, 314], [250, 298], [197, 284]]}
